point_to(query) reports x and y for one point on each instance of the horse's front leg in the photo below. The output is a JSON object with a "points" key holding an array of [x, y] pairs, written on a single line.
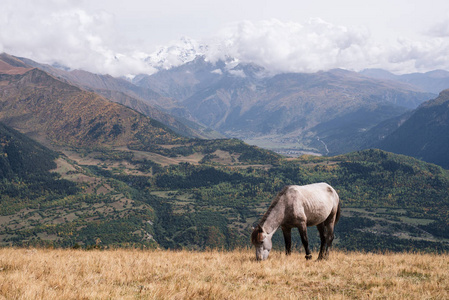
{"points": [[304, 239], [288, 240]]}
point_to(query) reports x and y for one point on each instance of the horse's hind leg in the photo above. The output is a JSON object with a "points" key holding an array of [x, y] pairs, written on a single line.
{"points": [[288, 239], [321, 230], [329, 236], [304, 239], [326, 230]]}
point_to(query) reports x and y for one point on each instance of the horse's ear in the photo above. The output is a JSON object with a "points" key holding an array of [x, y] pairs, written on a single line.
{"points": [[258, 227], [260, 235], [257, 236]]}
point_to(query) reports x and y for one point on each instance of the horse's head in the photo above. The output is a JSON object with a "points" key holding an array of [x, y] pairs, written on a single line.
{"points": [[262, 242]]}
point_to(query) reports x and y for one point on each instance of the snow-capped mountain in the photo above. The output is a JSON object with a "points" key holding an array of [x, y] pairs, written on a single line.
{"points": [[177, 53]]}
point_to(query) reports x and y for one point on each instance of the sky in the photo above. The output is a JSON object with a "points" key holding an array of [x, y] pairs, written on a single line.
{"points": [[122, 37]]}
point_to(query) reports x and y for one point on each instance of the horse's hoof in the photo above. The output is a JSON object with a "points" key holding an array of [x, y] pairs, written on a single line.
{"points": [[309, 256]]}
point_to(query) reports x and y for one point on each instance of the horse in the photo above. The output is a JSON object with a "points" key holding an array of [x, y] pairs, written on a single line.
{"points": [[315, 204]]}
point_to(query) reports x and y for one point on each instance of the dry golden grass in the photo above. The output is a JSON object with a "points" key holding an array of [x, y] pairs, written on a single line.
{"points": [[133, 274]]}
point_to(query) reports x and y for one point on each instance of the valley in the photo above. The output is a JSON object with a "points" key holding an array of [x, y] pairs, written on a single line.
{"points": [[290, 110]]}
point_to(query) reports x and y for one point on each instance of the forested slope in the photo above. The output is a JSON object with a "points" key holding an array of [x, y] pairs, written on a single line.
{"points": [[120, 198], [424, 134]]}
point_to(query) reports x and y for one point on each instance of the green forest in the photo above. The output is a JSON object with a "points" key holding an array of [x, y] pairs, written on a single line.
{"points": [[389, 202]]}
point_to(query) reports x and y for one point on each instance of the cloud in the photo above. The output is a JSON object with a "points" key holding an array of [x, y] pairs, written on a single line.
{"points": [[293, 47], [318, 45], [65, 32], [62, 32], [440, 29]]}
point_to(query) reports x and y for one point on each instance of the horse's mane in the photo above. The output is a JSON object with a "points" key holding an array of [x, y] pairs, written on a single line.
{"points": [[273, 205]]}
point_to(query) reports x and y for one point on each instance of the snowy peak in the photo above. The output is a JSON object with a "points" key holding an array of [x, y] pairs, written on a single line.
{"points": [[178, 53], [189, 51]]}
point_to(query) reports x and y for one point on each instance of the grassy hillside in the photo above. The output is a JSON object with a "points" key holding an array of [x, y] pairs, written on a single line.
{"points": [[211, 200], [130, 274], [389, 201]]}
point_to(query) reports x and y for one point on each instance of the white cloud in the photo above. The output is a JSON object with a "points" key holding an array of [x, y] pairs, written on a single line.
{"points": [[237, 73], [60, 31], [440, 29], [65, 32], [293, 47], [318, 45]]}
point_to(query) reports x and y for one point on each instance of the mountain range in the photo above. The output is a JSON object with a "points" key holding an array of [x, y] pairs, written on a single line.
{"points": [[328, 113], [60, 114], [433, 81], [121, 178], [122, 91], [300, 111]]}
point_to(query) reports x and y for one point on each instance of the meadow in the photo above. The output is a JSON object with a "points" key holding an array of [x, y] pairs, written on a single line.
{"points": [[162, 274]]}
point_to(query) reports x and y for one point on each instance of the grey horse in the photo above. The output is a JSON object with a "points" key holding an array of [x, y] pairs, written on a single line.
{"points": [[315, 204]]}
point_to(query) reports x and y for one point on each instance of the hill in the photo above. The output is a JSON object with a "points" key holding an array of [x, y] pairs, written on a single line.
{"points": [[424, 134], [119, 90], [299, 111], [212, 201], [130, 274], [20, 155], [389, 201], [33, 198], [51, 110]]}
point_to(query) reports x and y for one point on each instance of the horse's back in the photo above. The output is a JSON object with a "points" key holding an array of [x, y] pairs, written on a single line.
{"points": [[317, 192], [314, 202]]}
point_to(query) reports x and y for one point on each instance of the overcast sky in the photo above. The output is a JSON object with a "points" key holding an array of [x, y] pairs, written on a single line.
{"points": [[111, 36]]}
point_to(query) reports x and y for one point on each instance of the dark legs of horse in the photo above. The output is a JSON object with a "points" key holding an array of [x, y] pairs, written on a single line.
{"points": [[327, 236], [321, 230], [304, 239], [288, 240]]}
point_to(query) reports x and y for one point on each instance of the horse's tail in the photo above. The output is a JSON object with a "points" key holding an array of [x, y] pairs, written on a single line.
{"points": [[337, 217]]}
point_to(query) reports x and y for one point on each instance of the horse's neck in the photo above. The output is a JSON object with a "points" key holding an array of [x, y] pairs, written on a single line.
{"points": [[273, 218]]}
